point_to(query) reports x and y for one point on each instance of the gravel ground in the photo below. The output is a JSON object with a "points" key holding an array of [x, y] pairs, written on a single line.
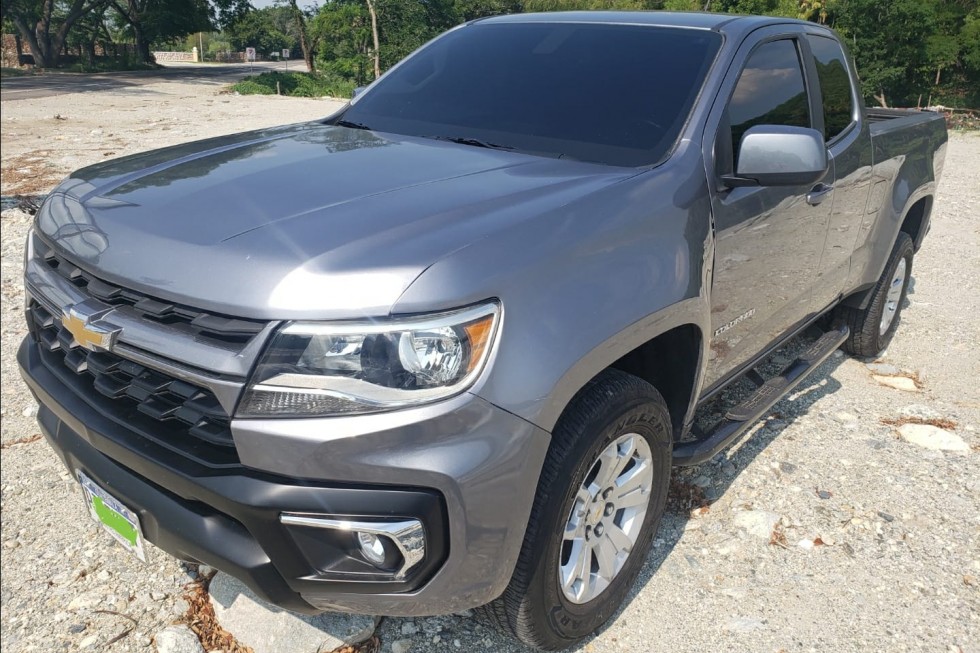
{"points": [[825, 530]]}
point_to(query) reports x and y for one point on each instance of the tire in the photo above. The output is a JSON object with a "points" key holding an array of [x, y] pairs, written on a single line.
{"points": [[614, 408], [870, 334]]}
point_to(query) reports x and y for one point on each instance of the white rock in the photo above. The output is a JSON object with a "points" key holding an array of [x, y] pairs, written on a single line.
{"points": [[758, 523], [409, 628], [805, 544], [177, 639], [898, 382], [401, 646], [88, 600], [267, 629], [88, 641], [932, 437]]}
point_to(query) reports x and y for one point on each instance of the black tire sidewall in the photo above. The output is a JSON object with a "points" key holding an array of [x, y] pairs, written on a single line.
{"points": [[569, 622], [904, 249]]}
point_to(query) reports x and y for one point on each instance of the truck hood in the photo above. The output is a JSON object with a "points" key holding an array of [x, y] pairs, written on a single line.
{"points": [[304, 221]]}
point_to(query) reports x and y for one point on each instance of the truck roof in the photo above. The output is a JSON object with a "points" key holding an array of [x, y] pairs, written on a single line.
{"points": [[687, 19]]}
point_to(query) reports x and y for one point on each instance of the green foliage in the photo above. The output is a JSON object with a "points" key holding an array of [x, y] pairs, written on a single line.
{"points": [[911, 49], [295, 84], [343, 30], [267, 30]]}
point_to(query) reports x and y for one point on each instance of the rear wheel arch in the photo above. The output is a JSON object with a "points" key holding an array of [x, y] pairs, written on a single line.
{"points": [[915, 223], [916, 220]]}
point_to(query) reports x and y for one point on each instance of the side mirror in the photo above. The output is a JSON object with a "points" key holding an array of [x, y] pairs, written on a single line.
{"points": [[775, 155], [357, 91]]}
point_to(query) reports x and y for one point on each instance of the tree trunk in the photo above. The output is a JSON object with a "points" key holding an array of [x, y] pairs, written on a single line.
{"points": [[939, 70], [304, 41], [34, 44], [142, 45], [881, 99], [46, 47], [374, 34]]}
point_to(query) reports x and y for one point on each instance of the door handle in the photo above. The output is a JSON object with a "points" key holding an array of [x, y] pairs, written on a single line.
{"points": [[818, 194]]}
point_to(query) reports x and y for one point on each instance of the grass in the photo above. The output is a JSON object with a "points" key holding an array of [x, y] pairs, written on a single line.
{"points": [[14, 72], [294, 84]]}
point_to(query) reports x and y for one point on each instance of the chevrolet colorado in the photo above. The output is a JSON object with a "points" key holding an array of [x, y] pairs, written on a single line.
{"points": [[441, 349]]}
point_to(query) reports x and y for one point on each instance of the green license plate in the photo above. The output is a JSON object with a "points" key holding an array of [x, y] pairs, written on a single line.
{"points": [[120, 522]]}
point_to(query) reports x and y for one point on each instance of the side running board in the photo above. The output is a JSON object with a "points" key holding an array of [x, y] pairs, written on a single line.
{"points": [[743, 416]]}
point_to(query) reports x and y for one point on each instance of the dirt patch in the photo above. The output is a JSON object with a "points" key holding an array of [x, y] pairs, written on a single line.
{"points": [[28, 174], [372, 645], [939, 422], [201, 619], [27, 440], [684, 497]]}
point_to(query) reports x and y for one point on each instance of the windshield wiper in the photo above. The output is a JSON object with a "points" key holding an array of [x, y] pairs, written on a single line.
{"points": [[475, 142], [351, 125]]}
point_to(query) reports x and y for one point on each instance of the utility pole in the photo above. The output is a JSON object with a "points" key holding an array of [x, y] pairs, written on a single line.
{"points": [[200, 40]]}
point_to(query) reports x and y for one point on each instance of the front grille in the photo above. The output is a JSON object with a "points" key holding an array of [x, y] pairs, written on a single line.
{"points": [[178, 415], [218, 329]]}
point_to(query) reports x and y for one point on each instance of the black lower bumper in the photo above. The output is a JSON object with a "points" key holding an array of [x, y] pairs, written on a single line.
{"points": [[228, 518]]}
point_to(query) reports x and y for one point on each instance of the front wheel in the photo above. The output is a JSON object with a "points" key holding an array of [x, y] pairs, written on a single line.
{"points": [[599, 501]]}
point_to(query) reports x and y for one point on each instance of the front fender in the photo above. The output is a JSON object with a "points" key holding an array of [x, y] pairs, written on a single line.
{"points": [[581, 286]]}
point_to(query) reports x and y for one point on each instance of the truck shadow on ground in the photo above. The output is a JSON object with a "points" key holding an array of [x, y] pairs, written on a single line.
{"points": [[700, 487]]}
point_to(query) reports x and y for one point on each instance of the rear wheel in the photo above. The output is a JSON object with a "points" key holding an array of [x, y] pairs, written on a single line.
{"points": [[599, 501], [872, 328]]}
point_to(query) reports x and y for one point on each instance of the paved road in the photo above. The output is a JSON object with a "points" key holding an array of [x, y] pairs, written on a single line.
{"points": [[55, 83]]}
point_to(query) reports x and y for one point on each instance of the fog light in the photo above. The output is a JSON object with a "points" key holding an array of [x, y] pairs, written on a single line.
{"points": [[371, 548], [399, 543]]}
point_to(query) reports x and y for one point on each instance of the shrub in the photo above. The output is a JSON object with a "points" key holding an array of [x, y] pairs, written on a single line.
{"points": [[295, 84]]}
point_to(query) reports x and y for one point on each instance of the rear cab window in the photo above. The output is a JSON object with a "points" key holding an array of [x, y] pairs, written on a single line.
{"points": [[835, 85]]}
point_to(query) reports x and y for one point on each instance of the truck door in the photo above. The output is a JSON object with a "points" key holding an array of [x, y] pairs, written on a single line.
{"points": [[849, 141], [768, 239]]}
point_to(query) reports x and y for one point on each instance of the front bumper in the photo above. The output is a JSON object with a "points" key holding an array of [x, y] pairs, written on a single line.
{"points": [[466, 469]]}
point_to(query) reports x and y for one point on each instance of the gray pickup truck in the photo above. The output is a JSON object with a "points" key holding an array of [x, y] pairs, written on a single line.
{"points": [[441, 349]]}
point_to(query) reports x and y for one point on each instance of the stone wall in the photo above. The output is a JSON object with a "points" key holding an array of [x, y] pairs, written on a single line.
{"points": [[174, 56], [8, 52]]}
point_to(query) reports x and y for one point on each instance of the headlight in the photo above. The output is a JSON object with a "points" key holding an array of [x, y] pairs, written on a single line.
{"points": [[319, 368]]}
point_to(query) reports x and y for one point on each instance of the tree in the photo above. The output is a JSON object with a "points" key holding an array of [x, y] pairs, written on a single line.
{"points": [[343, 27], [376, 52], [269, 30], [45, 24], [299, 20], [159, 20]]}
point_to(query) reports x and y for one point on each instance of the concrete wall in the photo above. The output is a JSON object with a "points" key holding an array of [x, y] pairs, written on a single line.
{"points": [[175, 56]]}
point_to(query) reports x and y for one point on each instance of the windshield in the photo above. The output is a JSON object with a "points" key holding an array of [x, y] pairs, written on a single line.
{"points": [[613, 94]]}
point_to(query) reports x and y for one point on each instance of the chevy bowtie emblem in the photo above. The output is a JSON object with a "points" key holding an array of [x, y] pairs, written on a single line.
{"points": [[84, 322]]}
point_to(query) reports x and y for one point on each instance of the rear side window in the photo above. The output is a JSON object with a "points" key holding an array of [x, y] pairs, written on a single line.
{"points": [[835, 85], [770, 91]]}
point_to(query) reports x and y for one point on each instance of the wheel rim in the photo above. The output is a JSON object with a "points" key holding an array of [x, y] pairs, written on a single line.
{"points": [[893, 298], [606, 518]]}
